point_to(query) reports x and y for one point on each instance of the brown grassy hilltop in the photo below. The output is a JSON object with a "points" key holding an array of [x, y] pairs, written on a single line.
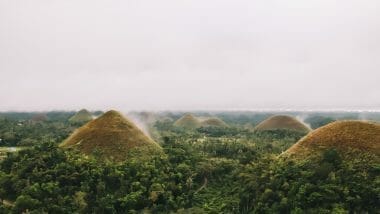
{"points": [[188, 121], [349, 137], [214, 122], [81, 116], [282, 122], [111, 136]]}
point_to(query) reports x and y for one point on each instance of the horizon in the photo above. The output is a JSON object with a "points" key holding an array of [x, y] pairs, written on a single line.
{"points": [[333, 110]]}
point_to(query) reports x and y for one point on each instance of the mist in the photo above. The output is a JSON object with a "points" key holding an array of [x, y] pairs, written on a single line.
{"points": [[142, 123], [302, 117], [189, 55]]}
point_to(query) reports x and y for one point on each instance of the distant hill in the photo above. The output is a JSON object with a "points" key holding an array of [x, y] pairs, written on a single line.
{"points": [[81, 116], [282, 122], [97, 113], [40, 117], [166, 119], [213, 122], [112, 137], [318, 121], [188, 121], [349, 137]]}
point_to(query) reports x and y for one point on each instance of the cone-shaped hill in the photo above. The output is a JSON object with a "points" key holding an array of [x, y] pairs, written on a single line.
{"points": [[283, 122], [188, 121], [112, 137], [40, 117], [213, 122], [81, 116], [166, 119], [351, 138]]}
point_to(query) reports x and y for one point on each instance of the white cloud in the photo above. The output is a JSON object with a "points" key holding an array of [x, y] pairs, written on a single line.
{"points": [[142, 54]]}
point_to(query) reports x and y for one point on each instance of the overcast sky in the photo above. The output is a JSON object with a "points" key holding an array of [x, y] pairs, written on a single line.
{"points": [[189, 54]]}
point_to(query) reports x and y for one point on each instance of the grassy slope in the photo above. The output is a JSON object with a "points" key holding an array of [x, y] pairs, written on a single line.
{"points": [[188, 121], [349, 137], [112, 137], [81, 116], [281, 122], [214, 122]]}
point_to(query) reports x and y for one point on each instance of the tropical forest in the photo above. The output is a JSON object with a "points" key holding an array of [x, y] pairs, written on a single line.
{"points": [[181, 162]]}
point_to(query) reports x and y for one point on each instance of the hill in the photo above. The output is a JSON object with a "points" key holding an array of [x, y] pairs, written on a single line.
{"points": [[319, 121], [188, 121], [166, 119], [348, 137], [112, 137], [39, 117], [213, 122], [81, 117], [282, 122]]}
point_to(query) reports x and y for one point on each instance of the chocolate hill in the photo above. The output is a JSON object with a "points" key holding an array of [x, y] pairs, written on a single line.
{"points": [[40, 117], [112, 137], [213, 122], [166, 119], [282, 122], [351, 138], [81, 117], [188, 121]]}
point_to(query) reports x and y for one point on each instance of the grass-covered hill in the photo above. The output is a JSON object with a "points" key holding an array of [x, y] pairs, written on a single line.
{"points": [[279, 122], [112, 137], [213, 122], [188, 121], [81, 116], [39, 117], [353, 138]]}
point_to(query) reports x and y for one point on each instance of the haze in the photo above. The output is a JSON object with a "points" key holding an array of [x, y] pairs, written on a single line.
{"points": [[183, 55]]}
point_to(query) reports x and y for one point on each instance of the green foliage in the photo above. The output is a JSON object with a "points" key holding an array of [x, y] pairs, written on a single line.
{"points": [[203, 170], [318, 121], [27, 133], [311, 186], [48, 179]]}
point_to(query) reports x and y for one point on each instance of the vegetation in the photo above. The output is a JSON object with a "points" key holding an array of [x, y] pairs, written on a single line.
{"points": [[318, 121], [328, 185], [199, 170], [46, 179], [28, 133]]}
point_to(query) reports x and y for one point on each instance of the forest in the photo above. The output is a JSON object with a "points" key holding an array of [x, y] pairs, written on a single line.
{"points": [[206, 169]]}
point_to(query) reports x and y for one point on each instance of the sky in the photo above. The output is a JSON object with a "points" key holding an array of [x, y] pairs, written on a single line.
{"points": [[189, 54]]}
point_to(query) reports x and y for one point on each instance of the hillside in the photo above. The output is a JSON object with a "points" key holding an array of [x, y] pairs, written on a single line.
{"points": [[188, 121], [282, 122], [112, 137], [81, 117], [213, 122], [39, 117], [349, 137]]}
